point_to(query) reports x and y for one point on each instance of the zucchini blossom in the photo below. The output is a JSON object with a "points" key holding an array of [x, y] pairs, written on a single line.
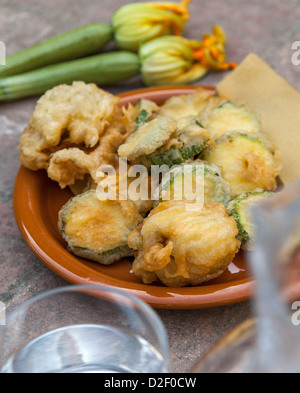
{"points": [[135, 24], [175, 60]]}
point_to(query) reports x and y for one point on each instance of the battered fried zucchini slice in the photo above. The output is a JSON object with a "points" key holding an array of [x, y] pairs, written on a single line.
{"points": [[247, 162], [146, 108], [204, 180], [188, 141], [98, 230], [147, 138], [180, 247], [230, 117], [239, 209], [190, 104]]}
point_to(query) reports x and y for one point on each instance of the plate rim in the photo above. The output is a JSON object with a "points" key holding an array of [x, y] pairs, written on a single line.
{"points": [[175, 298]]}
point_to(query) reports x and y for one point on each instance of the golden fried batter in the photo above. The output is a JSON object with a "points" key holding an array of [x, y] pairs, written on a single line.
{"points": [[147, 138], [180, 246], [77, 114], [247, 162], [190, 104], [98, 230], [69, 165]]}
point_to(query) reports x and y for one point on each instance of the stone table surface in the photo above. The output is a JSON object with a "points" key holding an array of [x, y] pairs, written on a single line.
{"points": [[267, 28]]}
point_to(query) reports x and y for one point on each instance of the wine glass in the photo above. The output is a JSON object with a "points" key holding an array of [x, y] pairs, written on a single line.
{"points": [[83, 329]]}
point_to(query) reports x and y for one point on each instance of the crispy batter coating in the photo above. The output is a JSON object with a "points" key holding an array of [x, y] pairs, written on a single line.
{"points": [[77, 129], [181, 245], [147, 138], [126, 185], [98, 230], [67, 166], [190, 104], [77, 115], [247, 162]]}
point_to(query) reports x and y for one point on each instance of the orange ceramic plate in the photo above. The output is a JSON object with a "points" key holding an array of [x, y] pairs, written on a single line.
{"points": [[37, 201]]}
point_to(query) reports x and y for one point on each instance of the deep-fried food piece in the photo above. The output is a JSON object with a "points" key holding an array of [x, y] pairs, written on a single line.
{"points": [[239, 209], [148, 138], [98, 230], [247, 162], [189, 104], [122, 126], [122, 184], [77, 115], [194, 180], [230, 117], [146, 109], [181, 245], [67, 166], [188, 140]]}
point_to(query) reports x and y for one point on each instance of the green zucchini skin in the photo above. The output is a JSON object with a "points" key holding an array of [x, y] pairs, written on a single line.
{"points": [[237, 208], [85, 242], [107, 258], [101, 69], [193, 139], [219, 192], [173, 156], [83, 41]]}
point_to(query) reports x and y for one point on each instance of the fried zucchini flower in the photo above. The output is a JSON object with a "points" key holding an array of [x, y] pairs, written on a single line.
{"points": [[73, 130], [181, 247], [135, 24], [66, 116], [174, 60], [70, 165]]}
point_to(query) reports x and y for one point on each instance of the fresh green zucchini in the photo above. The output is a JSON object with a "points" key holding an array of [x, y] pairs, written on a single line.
{"points": [[247, 162], [98, 230], [188, 141], [100, 69], [239, 209], [197, 176], [83, 41], [230, 117]]}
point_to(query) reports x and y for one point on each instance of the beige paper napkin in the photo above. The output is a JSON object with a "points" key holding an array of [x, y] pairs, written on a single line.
{"points": [[258, 86]]}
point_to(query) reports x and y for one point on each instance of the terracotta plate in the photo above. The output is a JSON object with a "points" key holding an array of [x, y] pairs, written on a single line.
{"points": [[37, 201]]}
